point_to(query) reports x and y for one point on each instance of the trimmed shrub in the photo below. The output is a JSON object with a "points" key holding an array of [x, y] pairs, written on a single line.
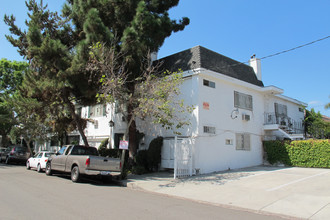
{"points": [[141, 159], [276, 152], [154, 151], [309, 153], [139, 170]]}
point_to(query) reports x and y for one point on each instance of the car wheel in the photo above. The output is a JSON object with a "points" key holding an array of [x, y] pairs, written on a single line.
{"points": [[75, 175], [48, 169], [28, 165], [39, 168], [7, 160]]}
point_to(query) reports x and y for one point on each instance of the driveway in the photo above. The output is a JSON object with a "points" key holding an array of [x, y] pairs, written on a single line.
{"points": [[302, 193]]}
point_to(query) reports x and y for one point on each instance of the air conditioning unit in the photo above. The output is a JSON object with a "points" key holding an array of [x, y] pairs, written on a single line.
{"points": [[245, 117]]}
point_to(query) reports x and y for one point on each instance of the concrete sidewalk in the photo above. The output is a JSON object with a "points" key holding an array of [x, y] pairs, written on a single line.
{"points": [[302, 193]]}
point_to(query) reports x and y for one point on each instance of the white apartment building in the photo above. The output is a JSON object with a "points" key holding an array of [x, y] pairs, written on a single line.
{"points": [[234, 112]]}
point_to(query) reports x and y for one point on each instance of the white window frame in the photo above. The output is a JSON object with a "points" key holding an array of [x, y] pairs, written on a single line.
{"points": [[243, 141], [97, 111], [208, 83], [281, 109], [243, 101]]}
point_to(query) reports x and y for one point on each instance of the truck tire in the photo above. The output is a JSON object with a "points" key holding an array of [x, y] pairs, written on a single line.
{"points": [[75, 175], [48, 170]]}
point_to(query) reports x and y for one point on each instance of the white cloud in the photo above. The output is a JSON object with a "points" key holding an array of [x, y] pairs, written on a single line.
{"points": [[315, 103]]}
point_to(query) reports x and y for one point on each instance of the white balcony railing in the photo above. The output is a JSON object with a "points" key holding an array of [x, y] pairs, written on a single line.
{"points": [[284, 122]]}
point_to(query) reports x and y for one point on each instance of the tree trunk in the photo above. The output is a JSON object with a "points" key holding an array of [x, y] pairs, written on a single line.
{"points": [[76, 119], [132, 140], [28, 142], [4, 139], [132, 127]]}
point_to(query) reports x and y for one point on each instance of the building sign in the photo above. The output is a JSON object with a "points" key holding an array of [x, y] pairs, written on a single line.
{"points": [[123, 145], [206, 106]]}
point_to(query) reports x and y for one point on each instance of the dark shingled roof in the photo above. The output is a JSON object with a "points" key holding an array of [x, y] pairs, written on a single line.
{"points": [[200, 57]]}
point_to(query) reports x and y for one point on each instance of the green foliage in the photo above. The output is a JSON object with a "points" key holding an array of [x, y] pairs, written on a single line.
{"points": [[106, 152], [30, 124], [155, 97], [309, 153], [315, 126], [104, 144], [276, 151], [59, 46], [327, 106], [141, 159], [11, 76], [139, 170], [154, 153]]}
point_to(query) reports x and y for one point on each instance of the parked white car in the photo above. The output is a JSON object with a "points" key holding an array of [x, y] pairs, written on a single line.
{"points": [[39, 160]]}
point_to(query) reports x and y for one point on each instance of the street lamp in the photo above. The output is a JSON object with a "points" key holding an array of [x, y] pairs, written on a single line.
{"points": [[111, 123]]}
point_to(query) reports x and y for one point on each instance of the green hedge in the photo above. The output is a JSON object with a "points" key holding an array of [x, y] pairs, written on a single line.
{"points": [[309, 153]]}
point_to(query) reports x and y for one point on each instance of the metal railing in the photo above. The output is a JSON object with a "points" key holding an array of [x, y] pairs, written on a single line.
{"points": [[286, 123]]}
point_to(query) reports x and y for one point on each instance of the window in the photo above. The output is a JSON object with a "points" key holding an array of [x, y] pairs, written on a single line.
{"points": [[242, 141], [48, 154], [243, 101], [82, 150], [67, 152], [209, 130], [208, 83], [281, 110], [97, 111], [229, 141], [96, 124], [120, 107], [78, 111], [60, 152]]}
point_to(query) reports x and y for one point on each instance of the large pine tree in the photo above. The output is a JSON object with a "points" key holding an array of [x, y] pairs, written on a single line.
{"points": [[58, 46]]}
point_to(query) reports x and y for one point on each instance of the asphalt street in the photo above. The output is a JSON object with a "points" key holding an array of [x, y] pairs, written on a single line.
{"points": [[26, 194]]}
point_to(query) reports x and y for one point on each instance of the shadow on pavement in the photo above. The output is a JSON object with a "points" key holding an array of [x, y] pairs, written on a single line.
{"points": [[166, 178]]}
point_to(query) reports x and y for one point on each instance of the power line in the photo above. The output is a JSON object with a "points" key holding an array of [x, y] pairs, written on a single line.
{"points": [[285, 51]]}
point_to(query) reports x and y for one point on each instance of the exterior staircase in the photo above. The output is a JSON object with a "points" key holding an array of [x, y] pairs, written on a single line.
{"points": [[284, 125]]}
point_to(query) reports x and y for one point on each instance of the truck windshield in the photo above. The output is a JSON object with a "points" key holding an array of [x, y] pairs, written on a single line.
{"points": [[82, 150]]}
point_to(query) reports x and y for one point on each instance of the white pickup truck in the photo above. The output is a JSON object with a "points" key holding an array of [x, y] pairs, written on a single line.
{"points": [[81, 160]]}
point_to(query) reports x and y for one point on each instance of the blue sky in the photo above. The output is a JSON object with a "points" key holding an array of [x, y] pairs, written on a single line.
{"points": [[238, 29]]}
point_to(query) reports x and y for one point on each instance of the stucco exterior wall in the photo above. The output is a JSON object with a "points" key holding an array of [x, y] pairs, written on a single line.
{"points": [[211, 151]]}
